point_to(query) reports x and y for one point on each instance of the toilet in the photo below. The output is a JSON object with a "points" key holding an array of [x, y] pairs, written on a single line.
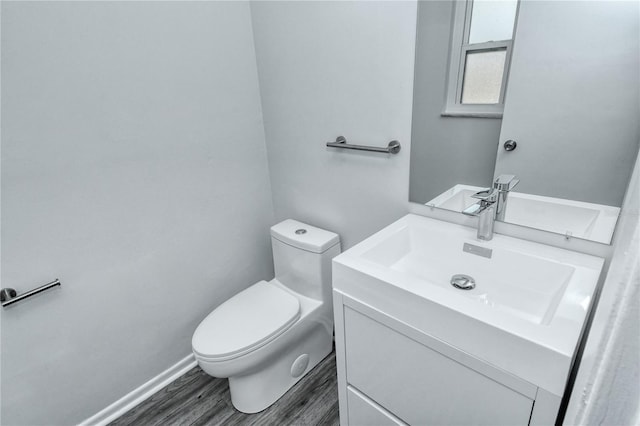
{"points": [[268, 336]]}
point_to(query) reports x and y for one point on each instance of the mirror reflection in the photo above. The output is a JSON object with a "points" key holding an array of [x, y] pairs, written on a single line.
{"points": [[536, 102]]}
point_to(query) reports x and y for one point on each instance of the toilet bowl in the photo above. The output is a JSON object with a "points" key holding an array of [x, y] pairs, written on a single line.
{"points": [[268, 336]]}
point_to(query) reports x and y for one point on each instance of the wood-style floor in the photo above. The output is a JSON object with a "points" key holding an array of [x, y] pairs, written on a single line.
{"points": [[199, 399]]}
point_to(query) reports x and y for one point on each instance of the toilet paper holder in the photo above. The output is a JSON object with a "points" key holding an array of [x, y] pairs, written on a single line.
{"points": [[9, 296]]}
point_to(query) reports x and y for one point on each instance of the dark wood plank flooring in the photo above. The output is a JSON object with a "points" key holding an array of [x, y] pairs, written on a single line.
{"points": [[199, 399]]}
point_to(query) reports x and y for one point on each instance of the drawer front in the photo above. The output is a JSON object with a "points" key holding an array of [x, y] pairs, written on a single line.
{"points": [[364, 412], [421, 386]]}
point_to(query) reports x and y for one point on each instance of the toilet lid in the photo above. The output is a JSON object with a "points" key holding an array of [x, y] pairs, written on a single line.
{"points": [[248, 320]]}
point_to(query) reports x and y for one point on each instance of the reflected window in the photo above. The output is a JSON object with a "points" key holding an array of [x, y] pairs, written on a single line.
{"points": [[481, 43], [492, 20], [482, 78]]}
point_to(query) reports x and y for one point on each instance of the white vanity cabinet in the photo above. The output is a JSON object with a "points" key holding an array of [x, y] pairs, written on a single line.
{"points": [[390, 373], [414, 349]]}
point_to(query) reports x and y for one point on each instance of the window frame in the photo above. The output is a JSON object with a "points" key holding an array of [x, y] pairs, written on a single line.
{"points": [[460, 46]]}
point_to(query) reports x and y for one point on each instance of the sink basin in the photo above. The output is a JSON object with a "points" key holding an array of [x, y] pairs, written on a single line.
{"points": [[516, 283], [525, 314], [591, 221]]}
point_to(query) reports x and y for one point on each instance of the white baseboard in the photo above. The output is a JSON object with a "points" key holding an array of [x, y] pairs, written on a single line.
{"points": [[138, 395]]}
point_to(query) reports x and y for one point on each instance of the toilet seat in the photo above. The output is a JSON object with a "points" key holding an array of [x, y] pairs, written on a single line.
{"points": [[245, 322]]}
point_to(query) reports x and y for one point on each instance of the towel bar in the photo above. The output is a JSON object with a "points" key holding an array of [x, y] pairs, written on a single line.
{"points": [[341, 142]]}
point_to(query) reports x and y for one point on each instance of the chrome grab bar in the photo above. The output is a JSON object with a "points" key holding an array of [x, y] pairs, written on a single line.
{"points": [[9, 296], [341, 142]]}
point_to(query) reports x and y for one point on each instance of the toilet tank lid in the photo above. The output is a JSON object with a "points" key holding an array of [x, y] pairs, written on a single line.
{"points": [[303, 236]]}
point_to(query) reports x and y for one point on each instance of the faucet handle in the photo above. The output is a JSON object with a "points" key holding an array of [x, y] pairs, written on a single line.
{"points": [[505, 182], [473, 210], [489, 195]]}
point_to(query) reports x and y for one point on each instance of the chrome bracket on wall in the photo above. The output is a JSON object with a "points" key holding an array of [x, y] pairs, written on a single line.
{"points": [[341, 142], [9, 296]]}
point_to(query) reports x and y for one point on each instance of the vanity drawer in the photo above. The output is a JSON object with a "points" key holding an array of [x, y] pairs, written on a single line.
{"points": [[365, 412], [420, 385]]}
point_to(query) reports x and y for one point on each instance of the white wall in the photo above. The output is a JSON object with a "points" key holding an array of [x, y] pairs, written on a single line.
{"points": [[133, 169], [573, 99], [328, 69], [607, 387]]}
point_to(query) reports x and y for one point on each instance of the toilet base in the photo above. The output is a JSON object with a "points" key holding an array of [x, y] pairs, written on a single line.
{"points": [[259, 389]]}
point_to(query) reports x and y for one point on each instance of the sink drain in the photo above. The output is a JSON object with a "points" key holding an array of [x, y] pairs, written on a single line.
{"points": [[463, 282]]}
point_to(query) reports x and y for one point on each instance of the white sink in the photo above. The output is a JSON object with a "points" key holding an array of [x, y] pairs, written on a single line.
{"points": [[516, 283], [591, 221], [525, 315]]}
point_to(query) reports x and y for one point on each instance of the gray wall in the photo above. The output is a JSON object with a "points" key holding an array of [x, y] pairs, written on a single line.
{"points": [[573, 99], [134, 169], [445, 151], [328, 69]]}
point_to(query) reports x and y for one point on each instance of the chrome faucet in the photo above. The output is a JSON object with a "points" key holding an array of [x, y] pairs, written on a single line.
{"points": [[485, 210], [492, 205], [503, 184]]}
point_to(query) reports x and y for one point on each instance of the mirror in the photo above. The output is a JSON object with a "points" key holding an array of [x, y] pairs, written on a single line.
{"points": [[565, 88]]}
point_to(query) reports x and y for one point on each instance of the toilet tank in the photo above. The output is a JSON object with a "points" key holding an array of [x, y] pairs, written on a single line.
{"points": [[302, 258]]}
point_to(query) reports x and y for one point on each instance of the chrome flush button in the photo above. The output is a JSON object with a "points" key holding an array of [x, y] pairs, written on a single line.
{"points": [[301, 231]]}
